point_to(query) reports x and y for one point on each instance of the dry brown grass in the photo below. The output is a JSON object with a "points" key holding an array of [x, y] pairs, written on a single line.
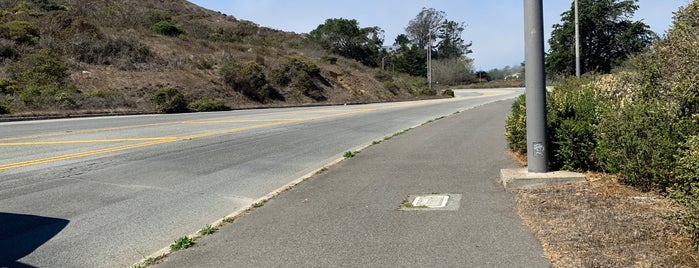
{"points": [[601, 223]]}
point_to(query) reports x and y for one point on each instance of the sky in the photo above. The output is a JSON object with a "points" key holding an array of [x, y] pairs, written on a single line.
{"points": [[496, 27]]}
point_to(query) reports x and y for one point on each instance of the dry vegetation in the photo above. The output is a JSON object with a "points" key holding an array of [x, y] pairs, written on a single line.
{"points": [[117, 54], [604, 224]]}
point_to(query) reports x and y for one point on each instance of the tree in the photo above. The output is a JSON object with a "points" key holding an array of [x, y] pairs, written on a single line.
{"points": [[452, 45], [607, 37], [345, 37], [423, 27]]}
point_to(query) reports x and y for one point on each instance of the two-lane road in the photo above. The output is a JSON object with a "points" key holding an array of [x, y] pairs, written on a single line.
{"points": [[108, 191]]}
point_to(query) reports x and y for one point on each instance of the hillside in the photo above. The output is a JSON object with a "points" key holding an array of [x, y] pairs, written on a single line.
{"points": [[79, 56]]}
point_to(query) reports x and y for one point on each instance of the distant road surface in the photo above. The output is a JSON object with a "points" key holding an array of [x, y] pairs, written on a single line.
{"points": [[108, 191]]}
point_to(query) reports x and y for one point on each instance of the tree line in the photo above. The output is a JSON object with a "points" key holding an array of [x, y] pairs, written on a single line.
{"points": [[428, 33]]}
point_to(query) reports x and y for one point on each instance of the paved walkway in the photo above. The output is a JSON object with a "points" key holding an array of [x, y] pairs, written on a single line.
{"points": [[348, 217]]}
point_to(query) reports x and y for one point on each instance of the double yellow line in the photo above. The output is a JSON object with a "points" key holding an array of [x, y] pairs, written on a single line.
{"points": [[148, 141]]}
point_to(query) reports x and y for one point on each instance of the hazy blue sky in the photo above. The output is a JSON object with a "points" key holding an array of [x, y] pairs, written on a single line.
{"points": [[495, 26]]}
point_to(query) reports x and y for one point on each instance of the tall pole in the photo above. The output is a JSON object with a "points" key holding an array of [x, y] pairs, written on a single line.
{"points": [[429, 60], [537, 148], [577, 41]]}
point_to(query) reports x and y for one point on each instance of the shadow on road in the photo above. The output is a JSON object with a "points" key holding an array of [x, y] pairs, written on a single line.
{"points": [[20, 235]]}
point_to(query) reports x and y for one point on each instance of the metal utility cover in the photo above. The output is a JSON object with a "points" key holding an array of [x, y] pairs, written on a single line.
{"points": [[427, 202], [431, 201]]}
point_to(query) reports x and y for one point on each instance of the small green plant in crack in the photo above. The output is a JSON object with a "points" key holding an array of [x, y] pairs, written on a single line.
{"points": [[321, 171], [228, 219], [350, 154], [259, 204], [376, 142], [207, 230], [182, 243]]}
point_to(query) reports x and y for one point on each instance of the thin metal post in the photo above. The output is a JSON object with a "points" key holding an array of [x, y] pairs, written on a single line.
{"points": [[429, 60], [537, 147], [577, 41]]}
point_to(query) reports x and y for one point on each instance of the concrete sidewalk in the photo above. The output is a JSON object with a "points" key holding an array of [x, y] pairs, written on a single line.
{"points": [[349, 217]]}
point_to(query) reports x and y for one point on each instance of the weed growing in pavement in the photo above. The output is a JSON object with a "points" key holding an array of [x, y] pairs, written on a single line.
{"points": [[259, 204], [321, 171], [350, 154], [208, 229], [182, 243], [228, 220]]}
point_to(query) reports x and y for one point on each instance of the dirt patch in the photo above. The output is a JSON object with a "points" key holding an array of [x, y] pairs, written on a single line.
{"points": [[601, 223]]}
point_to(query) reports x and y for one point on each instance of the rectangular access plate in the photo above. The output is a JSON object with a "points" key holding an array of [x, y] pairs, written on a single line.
{"points": [[428, 202], [431, 201]]}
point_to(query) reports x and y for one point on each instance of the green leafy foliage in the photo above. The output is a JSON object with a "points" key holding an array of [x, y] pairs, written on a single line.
{"points": [[167, 28], [170, 100], [301, 75], [22, 32], [209, 105], [685, 187], [182, 243], [571, 120], [607, 37], [346, 38], [250, 80], [516, 126]]}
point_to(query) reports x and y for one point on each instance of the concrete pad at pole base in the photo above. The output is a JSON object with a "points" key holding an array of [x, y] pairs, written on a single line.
{"points": [[521, 178]]}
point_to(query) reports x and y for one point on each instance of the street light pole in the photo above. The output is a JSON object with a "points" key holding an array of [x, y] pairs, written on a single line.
{"points": [[577, 41], [429, 60], [537, 148]]}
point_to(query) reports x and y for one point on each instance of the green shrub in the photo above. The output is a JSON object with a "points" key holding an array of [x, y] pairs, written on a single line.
{"points": [[448, 92], [250, 80], [516, 126], [169, 100], [40, 68], [209, 105], [639, 140], [685, 188], [329, 59], [391, 86], [166, 28], [182, 243], [301, 75], [571, 123], [22, 32], [8, 86]]}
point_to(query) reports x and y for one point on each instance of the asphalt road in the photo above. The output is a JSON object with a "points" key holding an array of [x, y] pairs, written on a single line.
{"points": [[108, 191]]}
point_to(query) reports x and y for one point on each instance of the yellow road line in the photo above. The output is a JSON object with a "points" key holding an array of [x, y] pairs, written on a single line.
{"points": [[81, 154], [85, 141], [155, 141]]}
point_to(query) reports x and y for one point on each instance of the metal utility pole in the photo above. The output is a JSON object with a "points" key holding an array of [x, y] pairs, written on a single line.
{"points": [[429, 60], [537, 148], [577, 41]]}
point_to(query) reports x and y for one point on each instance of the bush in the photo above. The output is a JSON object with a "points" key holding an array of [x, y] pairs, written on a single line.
{"points": [[209, 105], [639, 141], [301, 75], [170, 100], [166, 28], [250, 80], [391, 86], [448, 92], [329, 59], [571, 122], [38, 69], [686, 185], [22, 32], [516, 126]]}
